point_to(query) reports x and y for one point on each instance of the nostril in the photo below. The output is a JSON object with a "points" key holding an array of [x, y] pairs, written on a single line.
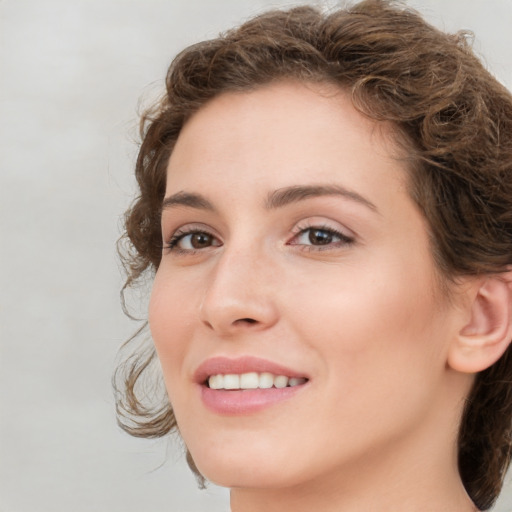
{"points": [[247, 320], [240, 322]]}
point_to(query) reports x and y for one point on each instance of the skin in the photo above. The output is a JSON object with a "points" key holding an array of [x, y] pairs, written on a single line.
{"points": [[361, 315]]}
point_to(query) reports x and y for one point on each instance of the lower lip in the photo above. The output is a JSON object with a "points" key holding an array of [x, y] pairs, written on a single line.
{"points": [[245, 401]]}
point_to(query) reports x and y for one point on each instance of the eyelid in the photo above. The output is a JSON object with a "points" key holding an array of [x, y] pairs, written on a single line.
{"points": [[187, 227], [324, 224], [184, 230], [345, 237]]}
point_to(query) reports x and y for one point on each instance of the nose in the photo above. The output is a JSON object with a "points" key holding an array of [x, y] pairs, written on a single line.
{"points": [[239, 295]]}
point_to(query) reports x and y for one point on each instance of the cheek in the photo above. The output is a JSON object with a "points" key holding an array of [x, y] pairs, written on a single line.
{"points": [[169, 322], [379, 344], [368, 325]]}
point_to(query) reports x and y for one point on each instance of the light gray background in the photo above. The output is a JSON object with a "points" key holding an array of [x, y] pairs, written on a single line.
{"points": [[71, 74]]}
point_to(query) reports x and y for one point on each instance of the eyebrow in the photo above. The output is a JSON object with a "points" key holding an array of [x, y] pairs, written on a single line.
{"points": [[277, 199], [187, 199], [293, 194]]}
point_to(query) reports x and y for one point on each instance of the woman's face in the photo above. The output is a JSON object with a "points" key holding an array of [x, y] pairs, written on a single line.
{"points": [[293, 256]]}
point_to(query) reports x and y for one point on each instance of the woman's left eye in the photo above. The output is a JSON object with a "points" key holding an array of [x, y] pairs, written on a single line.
{"points": [[321, 237]]}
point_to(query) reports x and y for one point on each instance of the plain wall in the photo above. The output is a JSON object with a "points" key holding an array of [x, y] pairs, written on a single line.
{"points": [[71, 75]]}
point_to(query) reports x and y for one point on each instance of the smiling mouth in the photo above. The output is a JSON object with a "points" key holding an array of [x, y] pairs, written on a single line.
{"points": [[252, 380]]}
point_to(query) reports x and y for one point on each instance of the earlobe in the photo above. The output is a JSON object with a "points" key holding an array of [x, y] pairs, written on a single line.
{"points": [[488, 333]]}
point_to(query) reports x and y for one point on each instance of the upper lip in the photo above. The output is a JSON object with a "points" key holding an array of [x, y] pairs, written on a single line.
{"points": [[225, 365]]}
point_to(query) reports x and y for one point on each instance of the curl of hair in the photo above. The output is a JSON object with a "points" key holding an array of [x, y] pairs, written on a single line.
{"points": [[454, 122]]}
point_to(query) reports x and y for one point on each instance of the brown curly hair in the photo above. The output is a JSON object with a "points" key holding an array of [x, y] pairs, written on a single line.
{"points": [[451, 115]]}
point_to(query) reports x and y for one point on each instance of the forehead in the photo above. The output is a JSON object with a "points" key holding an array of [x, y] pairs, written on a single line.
{"points": [[282, 133]]}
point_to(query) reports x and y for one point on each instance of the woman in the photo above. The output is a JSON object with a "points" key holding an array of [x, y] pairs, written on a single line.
{"points": [[325, 204]]}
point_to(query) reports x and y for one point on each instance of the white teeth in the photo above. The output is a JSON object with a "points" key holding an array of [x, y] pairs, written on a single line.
{"points": [[266, 380], [280, 381], [249, 380], [216, 381], [253, 380], [231, 381]]}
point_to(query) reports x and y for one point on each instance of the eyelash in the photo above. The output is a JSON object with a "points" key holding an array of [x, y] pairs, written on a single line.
{"points": [[180, 234], [344, 240]]}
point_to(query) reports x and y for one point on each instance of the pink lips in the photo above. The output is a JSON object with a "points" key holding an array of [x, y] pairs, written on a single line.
{"points": [[245, 401]]}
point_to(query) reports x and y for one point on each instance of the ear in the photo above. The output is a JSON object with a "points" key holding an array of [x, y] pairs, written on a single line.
{"points": [[488, 333]]}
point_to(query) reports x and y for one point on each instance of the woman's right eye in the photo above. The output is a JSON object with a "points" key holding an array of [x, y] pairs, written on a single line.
{"points": [[191, 241]]}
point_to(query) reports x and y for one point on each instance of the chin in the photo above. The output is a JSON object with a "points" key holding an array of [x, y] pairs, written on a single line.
{"points": [[245, 469], [249, 477]]}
